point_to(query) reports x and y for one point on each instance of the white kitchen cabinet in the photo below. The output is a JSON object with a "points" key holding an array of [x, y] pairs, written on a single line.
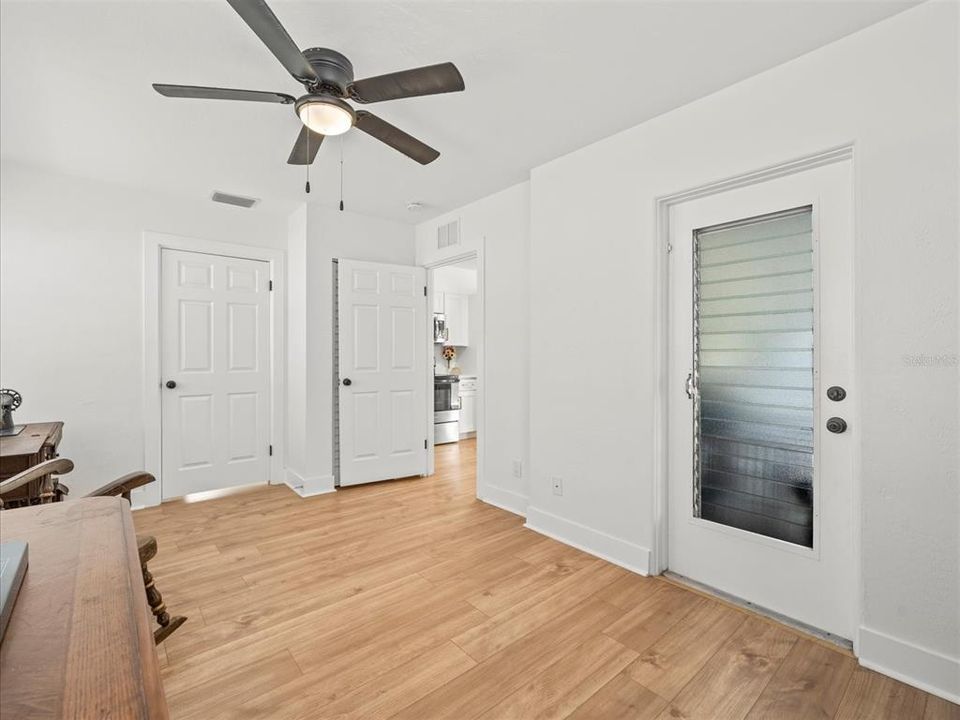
{"points": [[456, 309], [468, 414], [468, 404], [438, 302]]}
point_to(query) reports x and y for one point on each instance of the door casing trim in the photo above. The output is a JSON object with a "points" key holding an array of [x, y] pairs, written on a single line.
{"points": [[153, 245], [659, 552]]}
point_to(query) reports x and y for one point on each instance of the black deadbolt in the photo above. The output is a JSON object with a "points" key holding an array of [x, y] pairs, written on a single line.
{"points": [[347, 381], [171, 384], [836, 393], [836, 425]]}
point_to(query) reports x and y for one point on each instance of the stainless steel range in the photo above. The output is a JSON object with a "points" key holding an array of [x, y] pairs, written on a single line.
{"points": [[446, 409]]}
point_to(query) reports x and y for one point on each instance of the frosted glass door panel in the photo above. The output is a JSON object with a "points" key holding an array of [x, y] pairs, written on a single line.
{"points": [[753, 368]]}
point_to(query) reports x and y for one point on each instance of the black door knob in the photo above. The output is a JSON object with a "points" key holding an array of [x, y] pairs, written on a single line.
{"points": [[347, 381], [836, 393], [836, 425], [171, 384]]}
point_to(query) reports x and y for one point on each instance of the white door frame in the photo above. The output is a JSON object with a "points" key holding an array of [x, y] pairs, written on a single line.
{"points": [[477, 255], [659, 554], [153, 244]]}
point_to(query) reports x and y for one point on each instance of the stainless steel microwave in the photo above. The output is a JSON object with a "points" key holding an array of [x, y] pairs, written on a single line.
{"points": [[440, 330]]}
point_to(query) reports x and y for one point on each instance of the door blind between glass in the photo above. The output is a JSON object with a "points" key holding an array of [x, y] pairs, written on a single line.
{"points": [[753, 367]]}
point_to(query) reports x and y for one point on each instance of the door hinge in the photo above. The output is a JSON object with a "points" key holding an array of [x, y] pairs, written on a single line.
{"points": [[271, 450], [424, 443], [424, 290], [270, 286]]}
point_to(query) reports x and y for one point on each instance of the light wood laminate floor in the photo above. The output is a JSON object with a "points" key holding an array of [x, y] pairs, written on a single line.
{"points": [[411, 599]]}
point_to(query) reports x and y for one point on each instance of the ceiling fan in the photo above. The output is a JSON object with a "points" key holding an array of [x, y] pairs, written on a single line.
{"points": [[327, 76]]}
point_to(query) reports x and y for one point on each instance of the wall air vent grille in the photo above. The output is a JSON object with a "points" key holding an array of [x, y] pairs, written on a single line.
{"points": [[237, 200], [448, 235]]}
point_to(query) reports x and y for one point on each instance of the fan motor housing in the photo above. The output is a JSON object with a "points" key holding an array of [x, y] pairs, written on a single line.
{"points": [[333, 68]]}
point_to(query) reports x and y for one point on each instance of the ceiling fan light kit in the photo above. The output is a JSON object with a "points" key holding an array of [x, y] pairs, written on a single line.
{"points": [[325, 115], [327, 76]]}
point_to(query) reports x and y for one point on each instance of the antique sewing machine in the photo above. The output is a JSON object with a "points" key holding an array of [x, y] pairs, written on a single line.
{"points": [[9, 401]]}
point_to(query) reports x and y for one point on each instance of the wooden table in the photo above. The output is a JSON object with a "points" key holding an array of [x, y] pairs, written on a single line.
{"points": [[79, 643], [31, 446]]}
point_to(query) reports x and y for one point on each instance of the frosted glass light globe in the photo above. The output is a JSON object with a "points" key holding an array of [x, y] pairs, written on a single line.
{"points": [[327, 116]]}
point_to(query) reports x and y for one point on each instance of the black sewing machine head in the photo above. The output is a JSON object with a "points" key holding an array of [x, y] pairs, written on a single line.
{"points": [[9, 401]]}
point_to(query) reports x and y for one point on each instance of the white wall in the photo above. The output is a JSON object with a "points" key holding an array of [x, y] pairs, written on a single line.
{"points": [[892, 90], [71, 304], [317, 236], [498, 226], [296, 426]]}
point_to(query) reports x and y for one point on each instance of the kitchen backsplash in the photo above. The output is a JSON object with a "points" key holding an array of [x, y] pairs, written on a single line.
{"points": [[465, 360]]}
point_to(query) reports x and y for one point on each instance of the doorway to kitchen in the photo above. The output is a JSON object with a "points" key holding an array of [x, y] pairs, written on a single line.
{"points": [[457, 333]]}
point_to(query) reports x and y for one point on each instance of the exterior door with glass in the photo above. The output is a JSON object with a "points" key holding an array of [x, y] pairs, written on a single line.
{"points": [[761, 392]]}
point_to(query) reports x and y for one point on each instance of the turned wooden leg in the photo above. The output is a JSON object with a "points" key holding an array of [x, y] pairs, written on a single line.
{"points": [[159, 609], [155, 599], [48, 492], [147, 548]]}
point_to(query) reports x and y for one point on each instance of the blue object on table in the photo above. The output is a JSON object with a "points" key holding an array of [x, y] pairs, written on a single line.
{"points": [[13, 566]]}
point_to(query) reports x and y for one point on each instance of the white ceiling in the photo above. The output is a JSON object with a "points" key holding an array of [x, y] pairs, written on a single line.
{"points": [[543, 78]]}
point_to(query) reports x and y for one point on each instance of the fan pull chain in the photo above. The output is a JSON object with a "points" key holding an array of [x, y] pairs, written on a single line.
{"points": [[341, 173], [307, 187]]}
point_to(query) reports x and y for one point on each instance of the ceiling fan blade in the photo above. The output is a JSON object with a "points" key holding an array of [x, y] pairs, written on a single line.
{"points": [[214, 93], [258, 15], [305, 148], [395, 138], [429, 80]]}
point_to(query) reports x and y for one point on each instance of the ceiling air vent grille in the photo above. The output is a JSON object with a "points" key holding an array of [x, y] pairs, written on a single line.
{"points": [[238, 200], [448, 235]]}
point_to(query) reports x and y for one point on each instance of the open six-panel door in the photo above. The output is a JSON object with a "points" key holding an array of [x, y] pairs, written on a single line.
{"points": [[382, 371]]}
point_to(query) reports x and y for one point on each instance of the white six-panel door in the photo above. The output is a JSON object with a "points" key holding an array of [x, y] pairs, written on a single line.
{"points": [[215, 372], [383, 371]]}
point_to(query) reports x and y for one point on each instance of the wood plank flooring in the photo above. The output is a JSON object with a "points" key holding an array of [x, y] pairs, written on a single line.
{"points": [[411, 599]]}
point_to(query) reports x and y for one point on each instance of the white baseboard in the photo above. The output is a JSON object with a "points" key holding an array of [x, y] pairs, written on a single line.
{"points": [[607, 547], [308, 487], [925, 669], [504, 499]]}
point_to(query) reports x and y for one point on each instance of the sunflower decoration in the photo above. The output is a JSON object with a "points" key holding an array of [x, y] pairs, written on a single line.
{"points": [[449, 353]]}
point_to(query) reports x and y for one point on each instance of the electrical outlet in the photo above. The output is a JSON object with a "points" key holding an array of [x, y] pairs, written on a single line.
{"points": [[517, 468], [557, 485]]}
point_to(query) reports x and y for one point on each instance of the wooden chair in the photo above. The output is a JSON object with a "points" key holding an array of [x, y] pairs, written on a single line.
{"points": [[52, 490]]}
